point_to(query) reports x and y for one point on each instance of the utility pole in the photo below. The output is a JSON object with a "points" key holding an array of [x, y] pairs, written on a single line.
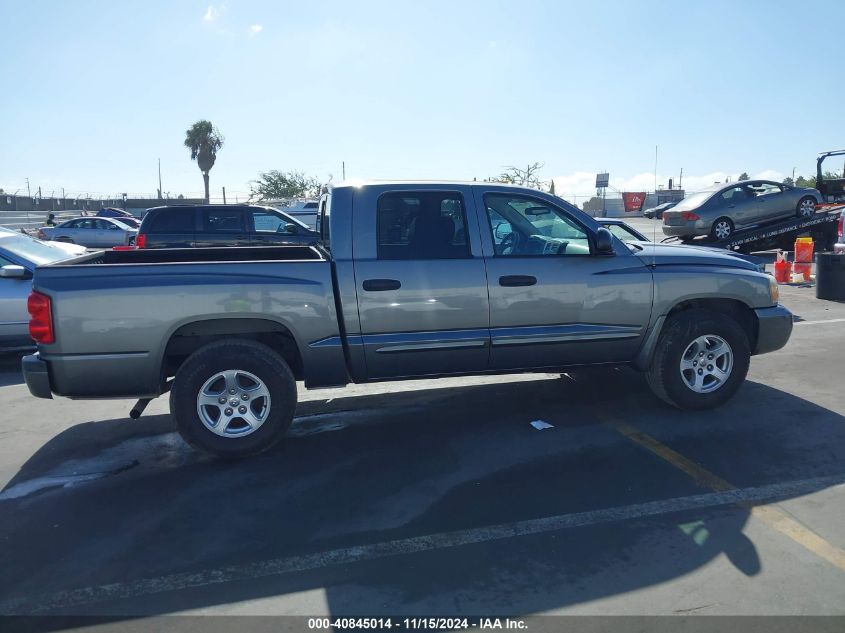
{"points": [[793, 175], [224, 195], [681, 179], [655, 168], [159, 178], [344, 169], [28, 192]]}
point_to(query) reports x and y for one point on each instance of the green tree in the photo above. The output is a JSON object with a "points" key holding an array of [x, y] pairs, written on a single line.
{"points": [[552, 188], [279, 185], [204, 140], [788, 181], [593, 204], [809, 183], [744, 176]]}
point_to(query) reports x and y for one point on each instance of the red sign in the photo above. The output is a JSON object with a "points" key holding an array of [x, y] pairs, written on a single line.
{"points": [[633, 201]]}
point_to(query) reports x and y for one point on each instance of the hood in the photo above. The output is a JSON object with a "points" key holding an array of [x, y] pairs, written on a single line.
{"points": [[685, 254]]}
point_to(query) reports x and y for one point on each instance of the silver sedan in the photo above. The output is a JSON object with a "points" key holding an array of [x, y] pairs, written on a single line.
{"points": [[92, 232], [720, 210], [19, 255]]}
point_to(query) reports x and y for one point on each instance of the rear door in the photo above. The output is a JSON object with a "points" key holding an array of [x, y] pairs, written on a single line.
{"points": [[171, 228], [222, 226], [420, 281], [553, 302]]}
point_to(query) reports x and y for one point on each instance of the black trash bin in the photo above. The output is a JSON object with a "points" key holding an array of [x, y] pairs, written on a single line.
{"points": [[830, 276]]}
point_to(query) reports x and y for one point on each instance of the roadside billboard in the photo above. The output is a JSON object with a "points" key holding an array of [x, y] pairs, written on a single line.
{"points": [[633, 201]]}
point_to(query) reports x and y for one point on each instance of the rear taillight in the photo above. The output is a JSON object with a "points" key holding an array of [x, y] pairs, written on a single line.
{"points": [[689, 215], [840, 225], [40, 318], [41, 235], [141, 240]]}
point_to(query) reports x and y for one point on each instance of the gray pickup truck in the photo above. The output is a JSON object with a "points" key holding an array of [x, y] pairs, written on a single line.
{"points": [[410, 280]]}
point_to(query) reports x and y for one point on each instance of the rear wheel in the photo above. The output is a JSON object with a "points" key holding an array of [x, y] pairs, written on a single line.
{"points": [[722, 229], [233, 398], [701, 359], [806, 207]]}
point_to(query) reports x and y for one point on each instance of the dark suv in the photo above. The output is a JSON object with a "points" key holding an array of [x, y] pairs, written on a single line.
{"points": [[202, 226]]}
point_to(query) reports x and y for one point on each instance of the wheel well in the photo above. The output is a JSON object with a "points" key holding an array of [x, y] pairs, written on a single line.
{"points": [[733, 308], [190, 337]]}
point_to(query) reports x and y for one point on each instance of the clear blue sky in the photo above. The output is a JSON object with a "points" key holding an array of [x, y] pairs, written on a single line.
{"points": [[94, 92]]}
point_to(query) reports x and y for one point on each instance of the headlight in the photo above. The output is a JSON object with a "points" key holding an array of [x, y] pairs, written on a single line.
{"points": [[774, 290]]}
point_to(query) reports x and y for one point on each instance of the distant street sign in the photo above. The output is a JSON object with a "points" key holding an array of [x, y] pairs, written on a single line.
{"points": [[602, 180]]}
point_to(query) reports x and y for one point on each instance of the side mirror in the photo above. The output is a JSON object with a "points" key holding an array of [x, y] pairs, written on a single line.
{"points": [[13, 271], [502, 230], [604, 242], [290, 229]]}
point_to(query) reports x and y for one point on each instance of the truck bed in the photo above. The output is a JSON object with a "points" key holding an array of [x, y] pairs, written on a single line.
{"points": [[121, 311]]}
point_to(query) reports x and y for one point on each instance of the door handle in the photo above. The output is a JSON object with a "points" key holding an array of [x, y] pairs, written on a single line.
{"points": [[517, 280], [376, 285]]}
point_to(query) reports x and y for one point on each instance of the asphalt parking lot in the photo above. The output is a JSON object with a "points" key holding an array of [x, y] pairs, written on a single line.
{"points": [[440, 497]]}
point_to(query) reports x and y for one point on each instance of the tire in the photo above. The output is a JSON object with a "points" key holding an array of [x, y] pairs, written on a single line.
{"points": [[679, 342], [252, 368], [806, 207], [722, 229]]}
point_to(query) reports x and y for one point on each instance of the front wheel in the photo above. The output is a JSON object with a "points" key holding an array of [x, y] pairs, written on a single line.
{"points": [[806, 207], [233, 398], [701, 359]]}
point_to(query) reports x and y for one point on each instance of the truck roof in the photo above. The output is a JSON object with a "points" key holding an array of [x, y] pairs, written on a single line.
{"points": [[426, 183]]}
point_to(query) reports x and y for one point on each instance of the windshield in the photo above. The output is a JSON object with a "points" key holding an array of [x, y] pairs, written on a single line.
{"points": [[32, 250], [693, 201]]}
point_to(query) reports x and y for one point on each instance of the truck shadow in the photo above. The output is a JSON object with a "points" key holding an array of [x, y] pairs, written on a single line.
{"points": [[395, 467]]}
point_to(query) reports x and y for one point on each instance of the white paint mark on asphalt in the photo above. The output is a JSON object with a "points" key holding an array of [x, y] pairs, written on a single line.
{"points": [[414, 545], [819, 322], [540, 425]]}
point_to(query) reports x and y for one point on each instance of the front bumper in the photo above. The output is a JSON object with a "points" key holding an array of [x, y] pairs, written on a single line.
{"points": [[36, 376], [774, 326]]}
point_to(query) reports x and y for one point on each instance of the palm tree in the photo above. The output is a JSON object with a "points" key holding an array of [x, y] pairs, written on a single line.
{"points": [[204, 140]]}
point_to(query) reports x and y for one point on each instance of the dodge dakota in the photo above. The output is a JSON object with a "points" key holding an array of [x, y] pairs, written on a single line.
{"points": [[410, 279]]}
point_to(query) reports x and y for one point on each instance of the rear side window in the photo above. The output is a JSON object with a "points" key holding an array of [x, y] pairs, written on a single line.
{"points": [[172, 221], [223, 221], [422, 225]]}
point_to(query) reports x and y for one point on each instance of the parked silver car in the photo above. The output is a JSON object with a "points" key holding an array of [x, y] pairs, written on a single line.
{"points": [[720, 210], [94, 232], [19, 255]]}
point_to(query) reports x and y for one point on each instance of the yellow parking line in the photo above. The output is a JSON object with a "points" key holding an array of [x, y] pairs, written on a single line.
{"points": [[771, 515]]}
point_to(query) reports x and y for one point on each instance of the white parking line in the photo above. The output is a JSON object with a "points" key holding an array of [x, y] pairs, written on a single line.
{"points": [[819, 322], [399, 547]]}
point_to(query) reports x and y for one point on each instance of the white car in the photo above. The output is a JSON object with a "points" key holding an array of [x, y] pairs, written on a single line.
{"points": [[94, 232], [66, 247]]}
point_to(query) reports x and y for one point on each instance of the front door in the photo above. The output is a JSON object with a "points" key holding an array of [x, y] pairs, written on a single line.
{"points": [[552, 301], [771, 203], [421, 283], [14, 318]]}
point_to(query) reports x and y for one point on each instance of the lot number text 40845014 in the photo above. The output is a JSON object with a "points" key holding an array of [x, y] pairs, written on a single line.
{"points": [[410, 624]]}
